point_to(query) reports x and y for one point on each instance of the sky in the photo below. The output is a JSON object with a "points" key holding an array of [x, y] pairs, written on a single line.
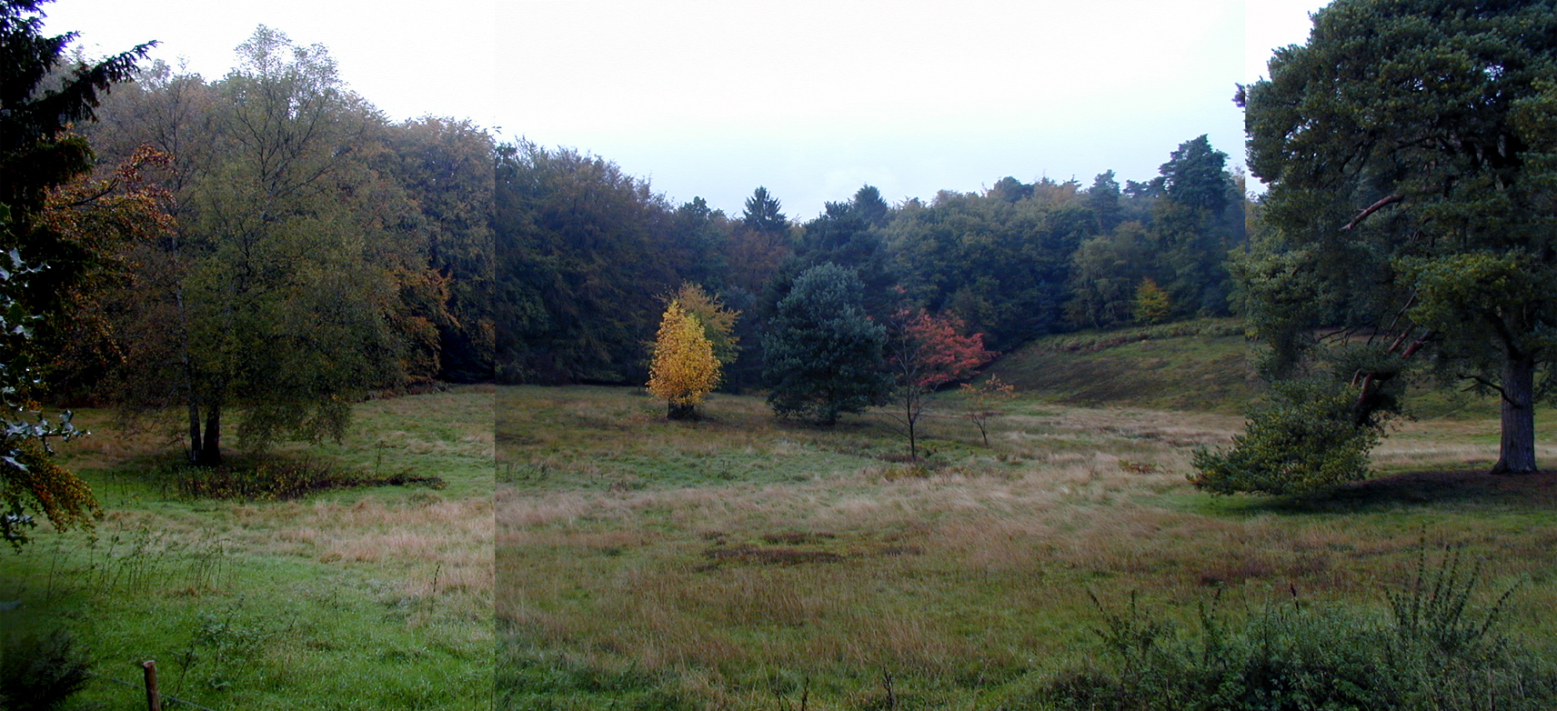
{"points": [[809, 99]]}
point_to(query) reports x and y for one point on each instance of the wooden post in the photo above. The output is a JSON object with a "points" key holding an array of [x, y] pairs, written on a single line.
{"points": [[153, 699]]}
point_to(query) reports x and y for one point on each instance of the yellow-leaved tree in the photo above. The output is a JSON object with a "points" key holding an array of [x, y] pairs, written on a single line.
{"points": [[717, 321], [683, 369]]}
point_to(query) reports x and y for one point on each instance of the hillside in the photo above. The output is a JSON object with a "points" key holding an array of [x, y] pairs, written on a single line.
{"points": [[1196, 365]]}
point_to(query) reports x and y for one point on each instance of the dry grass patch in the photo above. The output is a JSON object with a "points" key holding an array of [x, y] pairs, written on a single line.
{"points": [[952, 577]]}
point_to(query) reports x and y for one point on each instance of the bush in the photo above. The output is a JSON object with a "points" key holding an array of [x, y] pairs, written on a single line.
{"points": [[1432, 652], [38, 672], [267, 478], [1305, 439]]}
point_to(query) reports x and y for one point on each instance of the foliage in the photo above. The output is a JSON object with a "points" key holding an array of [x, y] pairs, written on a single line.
{"points": [[1399, 145], [271, 478], [111, 219], [36, 153], [296, 277], [38, 156], [980, 402], [684, 369], [29, 479], [927, 351], [1000, 266], [1193, 228], [1295, 656], [39, 672], [583, 249], [1306, 438], [823, 355], [1104, 270], [763, 213], [1151, 305], [849, 234], [445, 166], [1187, 220], [717, 322]]}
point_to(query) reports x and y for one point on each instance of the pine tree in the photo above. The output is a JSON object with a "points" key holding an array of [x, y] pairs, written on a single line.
{"points": [[822, 354]]}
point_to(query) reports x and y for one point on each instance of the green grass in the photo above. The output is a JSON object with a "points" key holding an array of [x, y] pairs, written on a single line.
{"points": [[364, 598], [1199, 365], [742, 562]]}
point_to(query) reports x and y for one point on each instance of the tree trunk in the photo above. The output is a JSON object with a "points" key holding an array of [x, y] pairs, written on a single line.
{"points": [[194, 431], [1516, 453], [211, 447], [681, 412]]}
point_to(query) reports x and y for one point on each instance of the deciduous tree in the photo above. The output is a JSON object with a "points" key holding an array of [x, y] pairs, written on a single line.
{"points": [[683, 368], [981, 402], [297, 277], [1151, 304], [926, 351], [717, 322]]}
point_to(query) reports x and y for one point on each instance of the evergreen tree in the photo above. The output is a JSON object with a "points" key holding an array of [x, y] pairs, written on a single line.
{"points": [[1408, 147], [823, 355], [762, 213]]}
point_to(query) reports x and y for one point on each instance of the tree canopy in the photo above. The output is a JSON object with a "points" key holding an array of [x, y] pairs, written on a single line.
{"points": [[296, 275], [823, 355], [1408, 157]]}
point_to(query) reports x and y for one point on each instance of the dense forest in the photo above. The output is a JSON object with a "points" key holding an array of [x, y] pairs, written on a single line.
{"points": [[589, 255], [266, 243]]}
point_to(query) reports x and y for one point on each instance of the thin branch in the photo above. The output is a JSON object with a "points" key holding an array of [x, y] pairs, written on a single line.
{"points": [[1486, 384], [1391, 327], [1375, 207]]}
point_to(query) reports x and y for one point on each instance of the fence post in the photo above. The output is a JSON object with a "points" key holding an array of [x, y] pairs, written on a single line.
{"points": [[153, 699]]}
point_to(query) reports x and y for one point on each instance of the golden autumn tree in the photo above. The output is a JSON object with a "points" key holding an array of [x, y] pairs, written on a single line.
{"points": [[683, 369], [1151, 303], [718, 322]]}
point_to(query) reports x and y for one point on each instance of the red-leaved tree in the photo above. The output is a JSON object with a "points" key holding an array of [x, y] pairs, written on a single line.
{"points": [[926, 352]]}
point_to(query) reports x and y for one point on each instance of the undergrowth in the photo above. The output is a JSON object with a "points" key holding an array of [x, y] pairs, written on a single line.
{"points": [[275, 478], [1433, 651]]}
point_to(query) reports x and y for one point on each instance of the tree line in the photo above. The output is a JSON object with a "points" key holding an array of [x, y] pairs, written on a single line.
{"points": [[588, 257], [268, 245], [265, 245]]}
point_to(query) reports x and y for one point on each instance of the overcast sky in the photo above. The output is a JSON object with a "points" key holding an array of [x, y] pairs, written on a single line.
{"points": [[810, 99]]}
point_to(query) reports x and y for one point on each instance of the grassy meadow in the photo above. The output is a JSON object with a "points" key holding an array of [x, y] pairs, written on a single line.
{"points": [[746, 563], [353, 598]]}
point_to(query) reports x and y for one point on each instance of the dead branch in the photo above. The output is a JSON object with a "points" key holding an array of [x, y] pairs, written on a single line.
{"points": [[1375, 207]]}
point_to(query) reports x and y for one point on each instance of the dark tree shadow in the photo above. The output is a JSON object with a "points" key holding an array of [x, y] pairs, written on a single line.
{"points": [[1469, 488]]}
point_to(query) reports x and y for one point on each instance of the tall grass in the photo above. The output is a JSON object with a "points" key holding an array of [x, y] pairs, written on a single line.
{"points": [[345, 598], [643, 562]]}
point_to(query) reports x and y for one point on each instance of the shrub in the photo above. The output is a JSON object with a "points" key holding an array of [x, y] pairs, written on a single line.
{"points": [[273, 478], [38, 672], [1305, 439], [1433, 652]]}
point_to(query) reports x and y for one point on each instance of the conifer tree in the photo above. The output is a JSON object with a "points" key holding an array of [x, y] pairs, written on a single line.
{"points": [[822, 355]]}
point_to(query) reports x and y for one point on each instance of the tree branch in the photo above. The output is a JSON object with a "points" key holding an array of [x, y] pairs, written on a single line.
{"points": [[1486, 383], [1375, 207]]}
